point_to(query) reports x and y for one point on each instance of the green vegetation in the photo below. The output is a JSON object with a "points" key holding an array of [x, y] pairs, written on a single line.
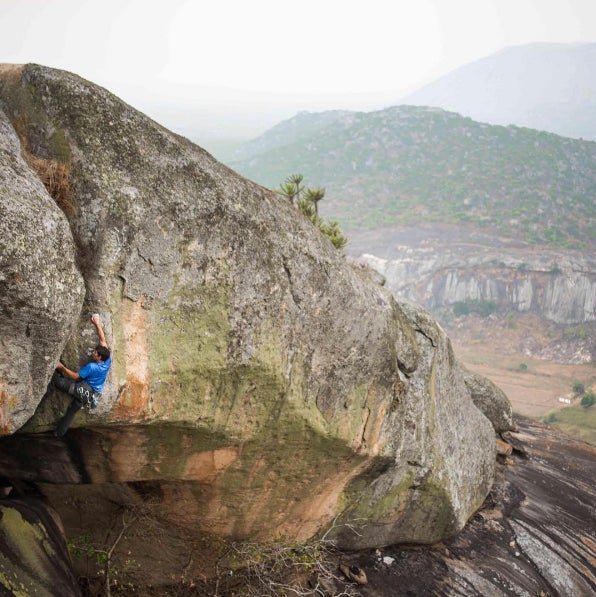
{"points": [[589, 399], [482, 308], [101, 557], [460, 309], [578, 388], [523, 367], [405, 165], [308, 204], [578, 422], [509, 319]]}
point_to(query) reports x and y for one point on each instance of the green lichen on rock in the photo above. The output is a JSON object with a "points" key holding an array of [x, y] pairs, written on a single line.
{"points": [[192, 378], [431, 516], [418, 510], [39, 135], [58, 146], [366, 500]]}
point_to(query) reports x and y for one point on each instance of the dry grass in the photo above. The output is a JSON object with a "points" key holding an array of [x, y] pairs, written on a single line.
{"points": [[54, 174], [56, 178]]}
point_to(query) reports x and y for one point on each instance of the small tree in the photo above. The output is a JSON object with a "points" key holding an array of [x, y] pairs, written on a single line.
{"points": [[307, 201], [578, 388], [314, 196], [291, 188], [334, 233], [551, 418], [589, 399]]}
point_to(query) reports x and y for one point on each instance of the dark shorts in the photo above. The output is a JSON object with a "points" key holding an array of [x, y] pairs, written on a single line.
{"points": [[80, 390]]}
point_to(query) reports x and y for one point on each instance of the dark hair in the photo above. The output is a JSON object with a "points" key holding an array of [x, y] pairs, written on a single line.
{"points": [[103, 352]]}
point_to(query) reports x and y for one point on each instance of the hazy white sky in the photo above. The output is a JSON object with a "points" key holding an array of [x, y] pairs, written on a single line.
{"points": [[219, 64]]}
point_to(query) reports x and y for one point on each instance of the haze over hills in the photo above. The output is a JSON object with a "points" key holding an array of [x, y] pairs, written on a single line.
{"points": [[545, 86], [549, 87], [407, 165]]}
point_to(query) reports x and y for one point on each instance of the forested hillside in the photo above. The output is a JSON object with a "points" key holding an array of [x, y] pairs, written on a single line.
{"points": [[406, 165]]}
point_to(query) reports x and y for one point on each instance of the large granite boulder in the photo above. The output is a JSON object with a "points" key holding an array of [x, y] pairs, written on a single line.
{"points": [[262, 379], [491, 400], [41, 290]]}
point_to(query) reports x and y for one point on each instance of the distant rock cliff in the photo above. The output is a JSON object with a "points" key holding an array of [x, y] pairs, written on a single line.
{"points": [[558, 285], [261, 384]]}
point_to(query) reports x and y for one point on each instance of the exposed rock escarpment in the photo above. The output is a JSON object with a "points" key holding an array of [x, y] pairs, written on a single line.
{"points": [[258, 374], [559, 285]]}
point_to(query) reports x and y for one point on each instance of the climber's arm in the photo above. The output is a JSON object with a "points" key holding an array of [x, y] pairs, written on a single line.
{"points": [[97, 324], [67, 372]]}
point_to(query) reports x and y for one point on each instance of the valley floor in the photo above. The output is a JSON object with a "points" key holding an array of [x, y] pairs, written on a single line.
{"points": [[535, 363]]}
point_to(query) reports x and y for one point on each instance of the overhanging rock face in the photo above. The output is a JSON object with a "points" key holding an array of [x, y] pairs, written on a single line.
{"points": [[305, 390]]}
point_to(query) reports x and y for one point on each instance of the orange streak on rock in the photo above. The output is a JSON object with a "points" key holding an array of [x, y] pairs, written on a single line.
{"points": [[6, 421], [133, 402]]}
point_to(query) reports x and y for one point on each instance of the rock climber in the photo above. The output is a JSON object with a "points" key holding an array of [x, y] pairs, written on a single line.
{"points": [[84, 385]]}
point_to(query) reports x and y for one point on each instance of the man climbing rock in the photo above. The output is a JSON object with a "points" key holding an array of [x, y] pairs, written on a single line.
{"points": [[86, 384]]}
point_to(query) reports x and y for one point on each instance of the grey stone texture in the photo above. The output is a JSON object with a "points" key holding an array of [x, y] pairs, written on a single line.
{"points": [[231, 316]]}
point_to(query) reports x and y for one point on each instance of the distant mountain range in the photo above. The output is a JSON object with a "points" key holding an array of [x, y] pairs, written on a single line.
{"points": [[407, 165], [550, 87]]}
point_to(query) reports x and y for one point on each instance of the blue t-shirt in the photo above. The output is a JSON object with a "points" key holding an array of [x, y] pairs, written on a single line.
{"points": [[95, 373]]}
